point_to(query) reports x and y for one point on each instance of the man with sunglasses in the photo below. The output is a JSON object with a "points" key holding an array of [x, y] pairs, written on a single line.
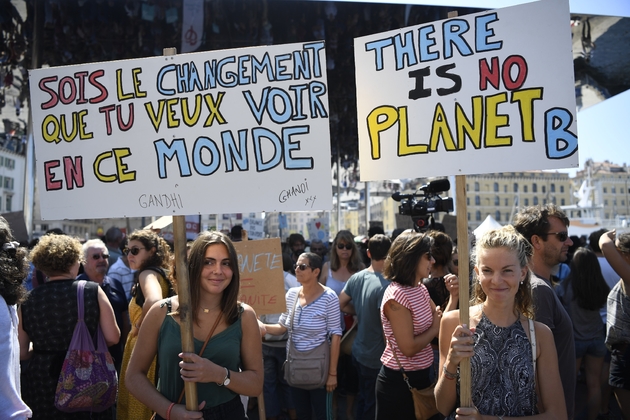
{"points": [[95, 265], [546, 228]]}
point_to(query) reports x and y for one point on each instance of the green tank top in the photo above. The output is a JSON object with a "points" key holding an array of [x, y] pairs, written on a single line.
{"points": [[224, 349]]}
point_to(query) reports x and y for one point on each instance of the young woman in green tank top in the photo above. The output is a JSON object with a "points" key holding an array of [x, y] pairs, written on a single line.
{"points": [[231, 364]]}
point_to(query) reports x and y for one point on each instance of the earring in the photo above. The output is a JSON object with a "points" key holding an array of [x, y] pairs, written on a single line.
{"points": [[521, 282]]}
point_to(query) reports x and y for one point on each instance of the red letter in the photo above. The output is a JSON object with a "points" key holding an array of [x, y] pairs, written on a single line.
{"points": [[62, 90], [74, 171], [51, 184], [54, 99], [521, 64], [108, 121], [80, 76], [489, 75], [96, 84]]}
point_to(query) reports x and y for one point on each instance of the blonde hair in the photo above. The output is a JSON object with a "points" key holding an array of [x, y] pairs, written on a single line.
{"points": [[508, 238]]}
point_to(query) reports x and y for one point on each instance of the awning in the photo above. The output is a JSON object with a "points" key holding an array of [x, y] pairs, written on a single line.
{"points": [[160, 223]]}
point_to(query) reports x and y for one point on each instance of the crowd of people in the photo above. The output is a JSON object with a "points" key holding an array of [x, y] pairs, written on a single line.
{"points": [[542, 314]]}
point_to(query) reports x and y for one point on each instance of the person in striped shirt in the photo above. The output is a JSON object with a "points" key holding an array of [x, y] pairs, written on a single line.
{"points": [[410, 321], [316, 317]]}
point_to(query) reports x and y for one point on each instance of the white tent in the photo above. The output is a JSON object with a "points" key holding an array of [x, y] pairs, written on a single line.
{"points": [[487, 225]]}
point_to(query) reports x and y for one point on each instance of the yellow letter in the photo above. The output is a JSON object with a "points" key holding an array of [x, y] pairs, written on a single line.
{"points": [[121, 96], [439, 127], [54, 136], [83, 135], [404, 148], [525, 99], [465, 127], [97, 169], [137, 83], [123, 174], [156, 118], [188, 119], [494, 121], [375, 127], [75, 127], [214, 109], [171, 121]]}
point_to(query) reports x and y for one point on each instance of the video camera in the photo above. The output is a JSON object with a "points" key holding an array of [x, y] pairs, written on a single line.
{"points": [[421, 207]]}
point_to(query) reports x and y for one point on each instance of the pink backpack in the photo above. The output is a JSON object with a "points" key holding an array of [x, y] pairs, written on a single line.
{"points": [[88, 380]]}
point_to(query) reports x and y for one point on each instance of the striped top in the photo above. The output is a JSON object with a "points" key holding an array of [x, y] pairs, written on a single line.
{"points": [[417, 300], [314, 322]]}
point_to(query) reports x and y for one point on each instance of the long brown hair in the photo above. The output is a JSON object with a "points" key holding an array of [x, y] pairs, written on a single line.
{"points": [[507, 237], [354, 264], [196, 262]]}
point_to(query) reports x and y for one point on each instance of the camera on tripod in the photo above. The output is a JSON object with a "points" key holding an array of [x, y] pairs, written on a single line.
{"points": [[422, 206]]}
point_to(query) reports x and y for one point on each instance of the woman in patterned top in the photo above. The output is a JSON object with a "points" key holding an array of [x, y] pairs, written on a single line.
{"points": [[47, 321], [410, 321], [504, 370]]}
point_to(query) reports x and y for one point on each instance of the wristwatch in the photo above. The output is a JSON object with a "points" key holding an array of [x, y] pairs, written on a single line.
{"points": [[226, 381]]}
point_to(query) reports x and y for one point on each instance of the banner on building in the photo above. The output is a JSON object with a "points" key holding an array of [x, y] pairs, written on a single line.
{"points": [[485, 92]]}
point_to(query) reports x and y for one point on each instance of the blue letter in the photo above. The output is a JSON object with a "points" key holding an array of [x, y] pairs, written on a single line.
{"points": [[258, 134], [483, 33], [453, 31], [557, 122], [231, 152], [289, 161], [425, 43], [378, 46], [160, 76], [177, 147], [200, 166]]}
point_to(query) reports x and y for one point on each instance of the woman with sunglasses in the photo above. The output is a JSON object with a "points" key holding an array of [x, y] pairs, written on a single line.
{"points": [[410, 321], [313, 312], [514, 366], [345, 260], [616, 249], [149, 255], [231, 364]]}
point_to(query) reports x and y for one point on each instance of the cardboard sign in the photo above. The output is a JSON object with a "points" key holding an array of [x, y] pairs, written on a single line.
{"points": [[485, 92], [262, 278], [220, 131]]}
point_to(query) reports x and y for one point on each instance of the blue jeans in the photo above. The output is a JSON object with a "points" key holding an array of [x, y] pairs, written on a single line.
{"points": [[276, 391], [308, 401], [366, 406]]}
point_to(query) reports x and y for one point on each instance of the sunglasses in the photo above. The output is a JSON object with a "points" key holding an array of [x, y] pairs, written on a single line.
{"points": [[133, 251], [562, 236], [99, 256], [301, 267], [347, 246]]}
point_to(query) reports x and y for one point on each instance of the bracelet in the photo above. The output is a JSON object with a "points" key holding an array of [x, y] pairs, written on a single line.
{"points": [[168, 411], [450, 376]]}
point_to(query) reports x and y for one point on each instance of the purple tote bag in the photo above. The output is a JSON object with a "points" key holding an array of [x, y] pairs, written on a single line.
{"points": [[88, 379]]}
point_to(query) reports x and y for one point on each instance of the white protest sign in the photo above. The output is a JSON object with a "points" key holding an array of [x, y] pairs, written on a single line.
{"points": [[221, 131], [486, 92], [255, 227], [318, 229]]}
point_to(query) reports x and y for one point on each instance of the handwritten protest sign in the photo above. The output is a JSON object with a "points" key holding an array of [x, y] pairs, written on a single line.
{"points": [[221, 131], [485, 92], [262, 278], [319, 229]]}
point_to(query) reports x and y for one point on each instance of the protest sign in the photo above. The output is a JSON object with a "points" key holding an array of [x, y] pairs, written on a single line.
{"points": [[319, 229], [262, 278], [485, 92], [255, 227], [219, 131]]}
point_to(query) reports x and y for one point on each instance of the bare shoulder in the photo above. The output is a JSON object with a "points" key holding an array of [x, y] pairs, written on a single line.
{"points": [[248, 312], [542, 331]]}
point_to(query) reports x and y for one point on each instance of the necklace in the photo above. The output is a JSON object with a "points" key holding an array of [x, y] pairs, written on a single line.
{"points": [[207, 310]]}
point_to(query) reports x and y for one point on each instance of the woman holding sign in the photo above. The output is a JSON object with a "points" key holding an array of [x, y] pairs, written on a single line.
{"points": [[150, 255], [230, 365], [513, 359]]}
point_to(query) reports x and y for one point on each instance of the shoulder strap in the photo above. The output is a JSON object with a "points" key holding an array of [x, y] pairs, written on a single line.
{"points": [[532, 335], [80, 299], [402, 371]]}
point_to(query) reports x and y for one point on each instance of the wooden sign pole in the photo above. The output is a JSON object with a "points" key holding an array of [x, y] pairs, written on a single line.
{"points": [[183, 292], [465, 399]]}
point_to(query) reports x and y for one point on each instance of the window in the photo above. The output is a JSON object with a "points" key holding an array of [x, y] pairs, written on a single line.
{"points": [[9, 205], [606, 203], [613, 190], [506, 202], [526, 202], [477, 200], [561, 188], [524, 188], [507, 217], [496, 187], [468, 201], [534, 187], [535, 201], [505, 188], [552, 188], [544, 201], [497, 216], [478, 215], [605, 190], [562, 201], [497, 201], [516, 187], [8, 183], [469, 217], [623, 202], [544, 189], [476, 186]]}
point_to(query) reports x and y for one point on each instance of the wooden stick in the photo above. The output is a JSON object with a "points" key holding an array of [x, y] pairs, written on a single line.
{"points": [[465, 399], [183, 292]]}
